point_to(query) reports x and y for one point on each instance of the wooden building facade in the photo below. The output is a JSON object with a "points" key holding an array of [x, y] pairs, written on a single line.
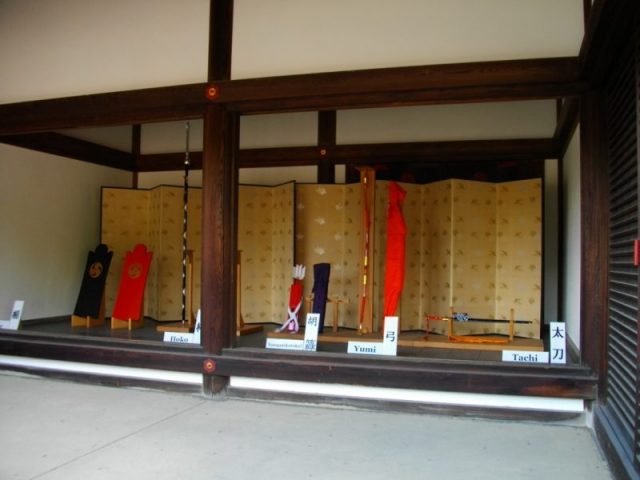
{"points": [[599, 90]]}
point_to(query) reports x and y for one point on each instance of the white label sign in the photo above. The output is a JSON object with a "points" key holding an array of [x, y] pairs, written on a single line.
{"points": [[285, 343], [177, 337], [16, 315], [311, 332], [388, 346], [390, 339], [524, 356], [558, 342], [367, 348]]}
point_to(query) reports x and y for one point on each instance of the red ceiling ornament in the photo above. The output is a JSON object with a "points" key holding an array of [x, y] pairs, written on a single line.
{"points": [[212, 92]]}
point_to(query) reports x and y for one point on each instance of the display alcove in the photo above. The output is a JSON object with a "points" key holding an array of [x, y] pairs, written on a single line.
{"points": [[471, 246]]}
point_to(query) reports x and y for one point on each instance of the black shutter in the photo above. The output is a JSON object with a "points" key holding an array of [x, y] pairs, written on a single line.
{"points": [[622, 339]]}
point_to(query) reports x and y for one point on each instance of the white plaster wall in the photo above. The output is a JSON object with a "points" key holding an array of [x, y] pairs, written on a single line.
{"points": [[570, 307], [50, 216], [279, 130], [280, 37], [507, 120], [73, 47]]}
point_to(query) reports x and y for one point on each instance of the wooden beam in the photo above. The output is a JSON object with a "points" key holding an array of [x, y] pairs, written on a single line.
{"points": [[451, 83], [389, 153], [436, 84], [326, 141], [609, 28], [65, 146], [164, 162], [449, 151], [119, 108]]}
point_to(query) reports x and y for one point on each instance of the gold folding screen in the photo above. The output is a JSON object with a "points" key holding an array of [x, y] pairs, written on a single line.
{"points": [[473, 246], [155, 218], [265, 237]]}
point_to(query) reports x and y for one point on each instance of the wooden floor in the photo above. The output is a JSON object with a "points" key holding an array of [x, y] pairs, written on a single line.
{"points": [[62, 325], [409, 344]]}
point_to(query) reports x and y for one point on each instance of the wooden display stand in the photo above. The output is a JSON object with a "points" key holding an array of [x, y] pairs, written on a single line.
{"points": [[130, 323], [336, 302], [365, 313], [128, 311], [241, 327], [89, 321], [476, 342]]}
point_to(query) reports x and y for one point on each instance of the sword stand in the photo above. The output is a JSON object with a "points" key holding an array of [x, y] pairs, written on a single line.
{"points": [[188, 325], [241, 327]]}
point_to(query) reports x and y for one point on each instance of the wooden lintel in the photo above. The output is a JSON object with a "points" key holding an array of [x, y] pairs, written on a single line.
{"points": [[448, 151], [417, 152], [435, 96], [119, 108], [387, 87], [451, 83], [65, 146], [163, 162]]}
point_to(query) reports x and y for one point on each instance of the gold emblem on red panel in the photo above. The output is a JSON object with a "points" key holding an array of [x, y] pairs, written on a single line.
{"points": [[135, 270]]}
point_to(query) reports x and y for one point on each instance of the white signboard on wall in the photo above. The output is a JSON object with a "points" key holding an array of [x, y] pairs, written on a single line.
{"points": [[14, 319]]}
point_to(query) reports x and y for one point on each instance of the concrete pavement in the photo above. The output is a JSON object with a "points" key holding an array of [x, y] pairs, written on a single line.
{"points": [[53, 430]]}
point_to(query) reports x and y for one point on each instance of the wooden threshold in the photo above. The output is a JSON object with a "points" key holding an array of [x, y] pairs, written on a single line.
{"points": [[569, 381]]}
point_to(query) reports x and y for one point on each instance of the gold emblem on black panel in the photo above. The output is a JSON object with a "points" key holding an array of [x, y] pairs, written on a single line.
{"points": [[95, 270]]}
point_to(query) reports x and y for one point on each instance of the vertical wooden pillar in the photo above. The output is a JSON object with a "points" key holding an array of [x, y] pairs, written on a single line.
{"points": [[326, 140], [595, 232], [220, 38], [219, 197], [136, 141]]}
